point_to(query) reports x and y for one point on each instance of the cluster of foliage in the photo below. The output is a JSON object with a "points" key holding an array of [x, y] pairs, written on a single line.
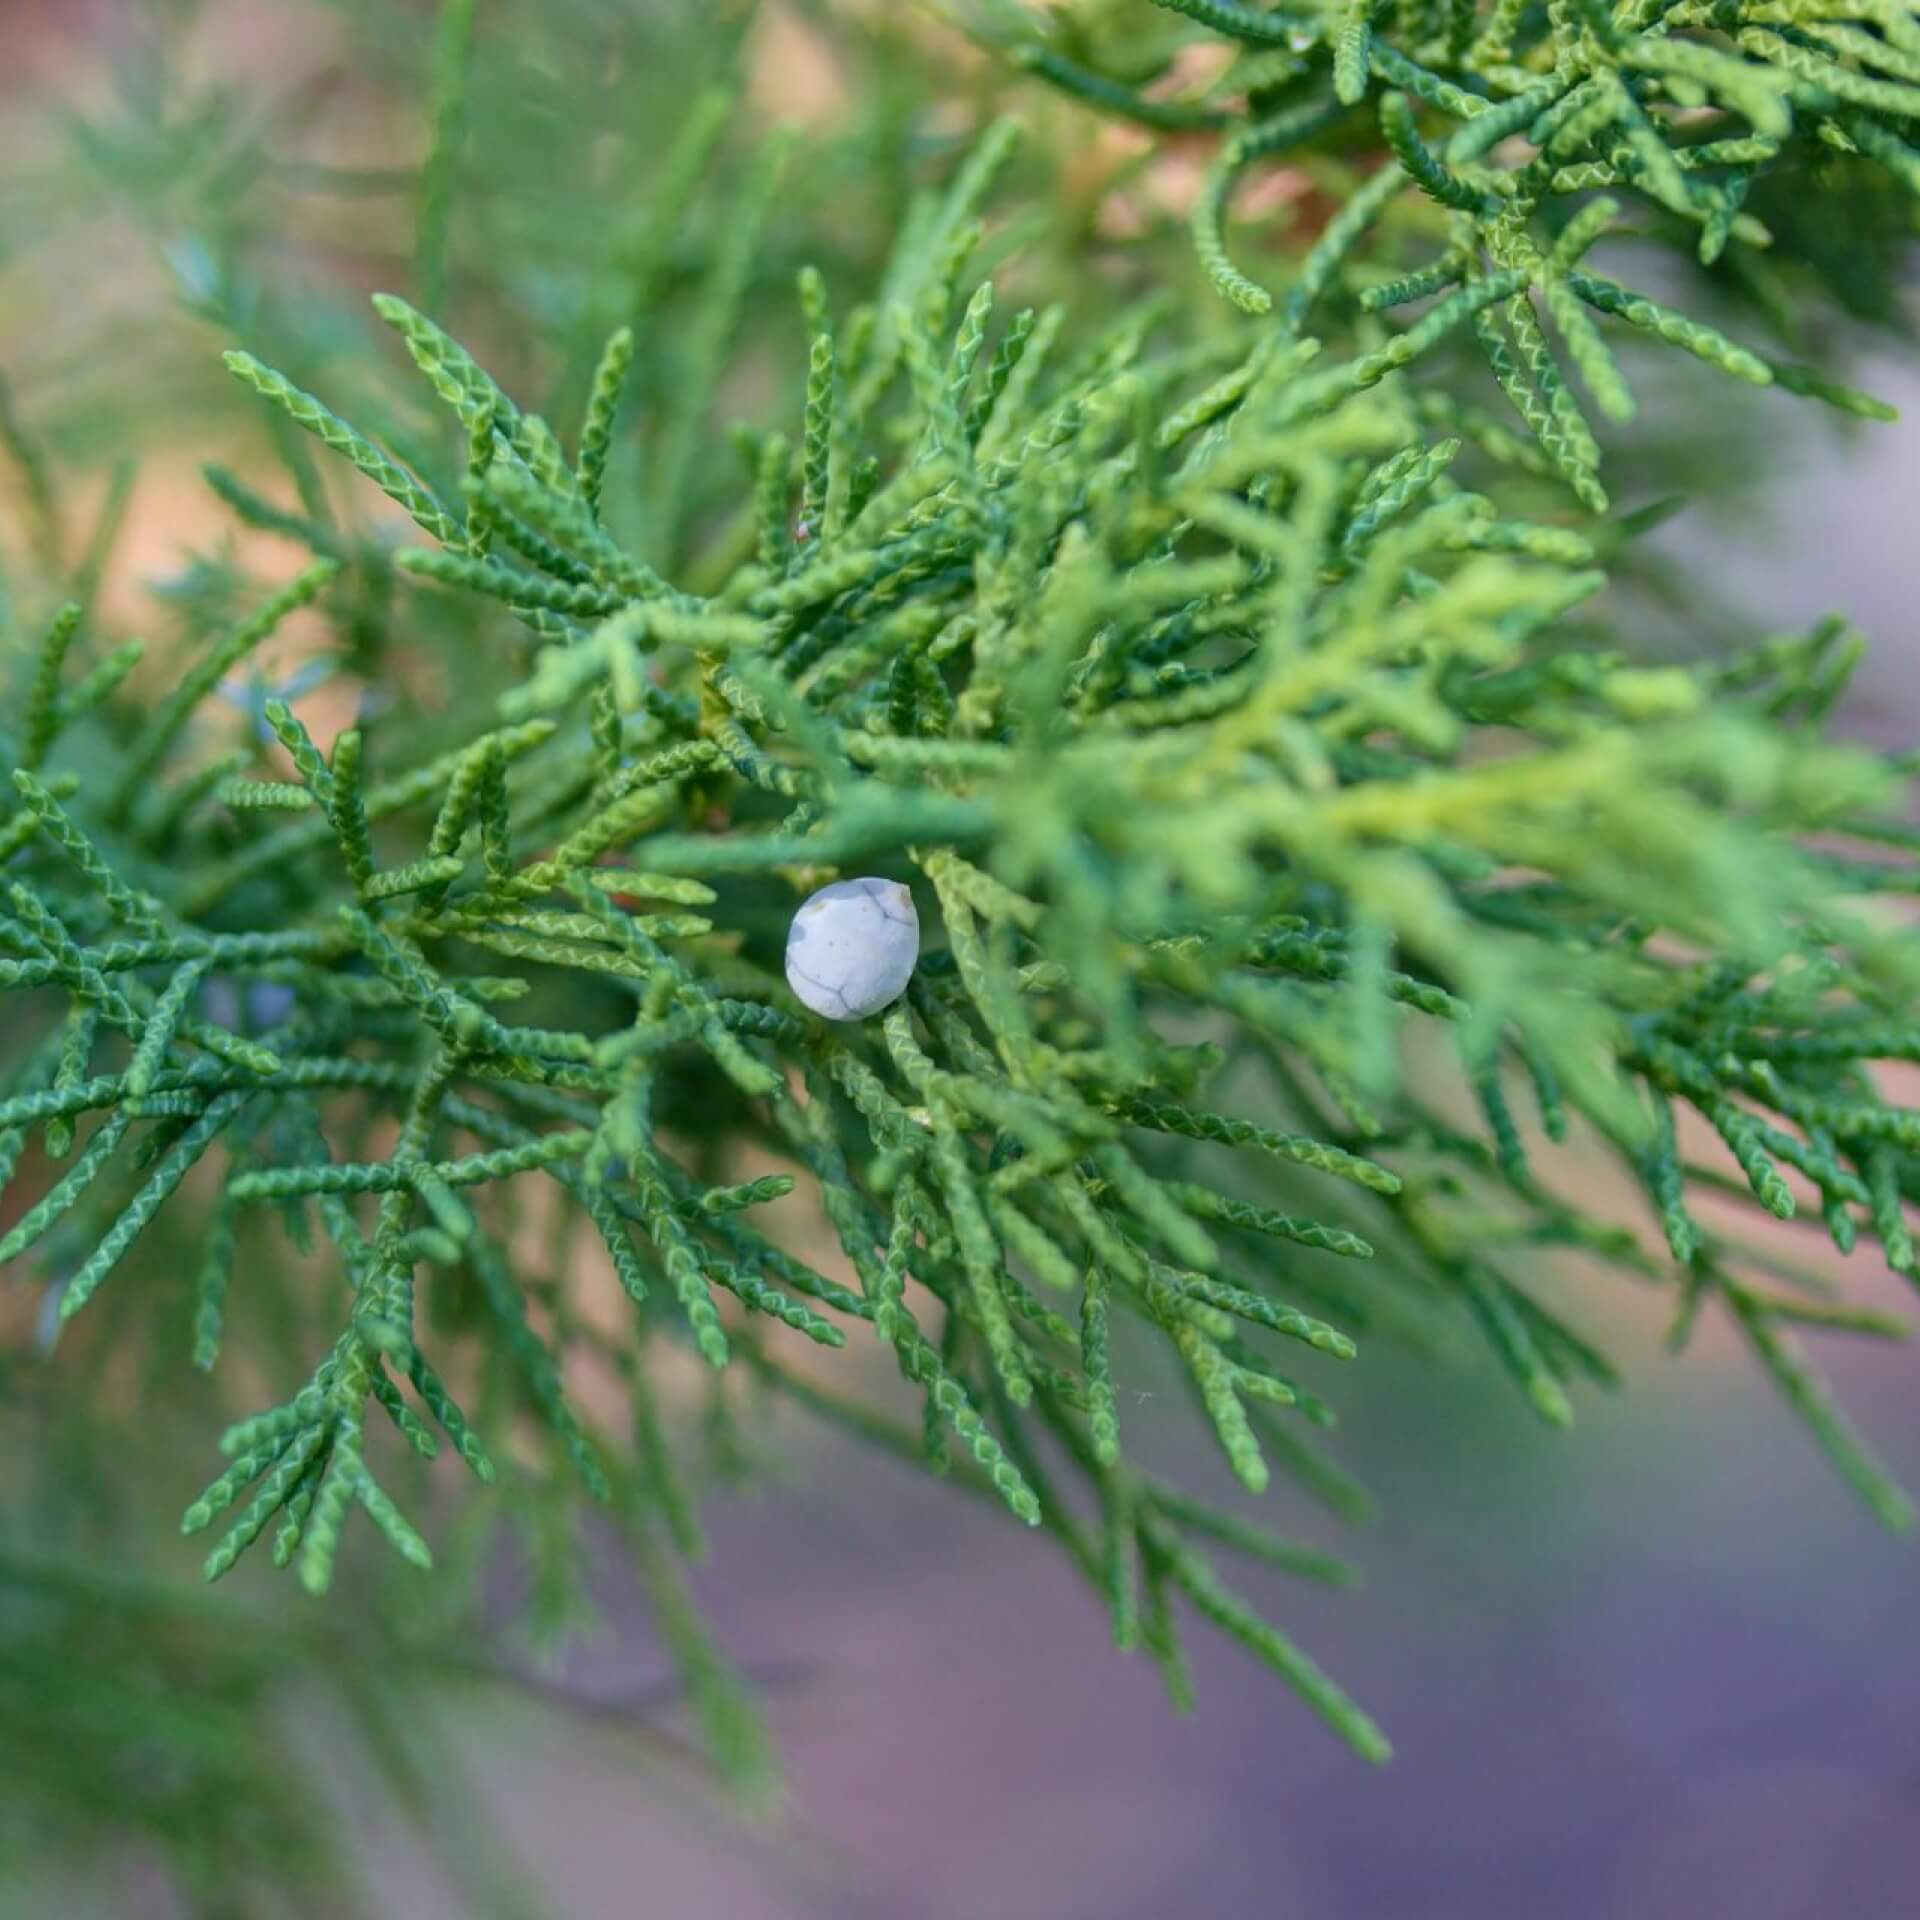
{"points": [[1254, 786], [1772, 141]]}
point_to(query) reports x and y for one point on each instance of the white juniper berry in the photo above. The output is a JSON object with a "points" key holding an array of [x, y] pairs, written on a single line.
{"points": [[852, 947]]}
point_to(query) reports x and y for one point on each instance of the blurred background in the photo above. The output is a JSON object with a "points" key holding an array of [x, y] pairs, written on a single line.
{"points": [[1659, 1666]]}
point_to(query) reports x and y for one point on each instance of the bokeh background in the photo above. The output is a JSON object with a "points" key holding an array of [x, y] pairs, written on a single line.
{"points": [[1660, 1666]]}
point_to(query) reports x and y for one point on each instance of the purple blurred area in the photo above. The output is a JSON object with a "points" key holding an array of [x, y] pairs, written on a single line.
{"points": [[1658, 1666]]}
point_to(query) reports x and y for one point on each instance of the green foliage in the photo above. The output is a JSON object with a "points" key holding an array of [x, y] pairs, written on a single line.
{"points": [[139, 1715], [1695, 114], [1294, 871]]}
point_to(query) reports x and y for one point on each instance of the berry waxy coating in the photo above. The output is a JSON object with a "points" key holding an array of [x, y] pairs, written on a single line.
{"points": [[852, 947]]}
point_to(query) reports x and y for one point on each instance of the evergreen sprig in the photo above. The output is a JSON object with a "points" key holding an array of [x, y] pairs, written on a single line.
{"points": [[1169, 679], [1504, 121]]}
